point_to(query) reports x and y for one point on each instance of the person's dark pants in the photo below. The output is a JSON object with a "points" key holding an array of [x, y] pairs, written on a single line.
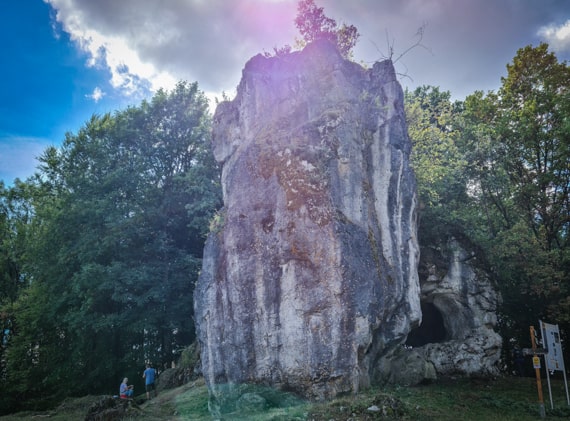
{"points": [[150, 387]]}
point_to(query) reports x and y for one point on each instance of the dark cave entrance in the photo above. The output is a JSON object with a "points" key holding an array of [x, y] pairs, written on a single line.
{"points": [[432, 329]]}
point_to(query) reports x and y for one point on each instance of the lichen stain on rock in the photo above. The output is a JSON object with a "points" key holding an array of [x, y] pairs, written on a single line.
{"points": [[301, 175]]}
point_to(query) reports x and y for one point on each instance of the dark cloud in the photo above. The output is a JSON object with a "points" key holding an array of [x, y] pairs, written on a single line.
{"points": [[467, 43], [465, 47], [207, 41]]}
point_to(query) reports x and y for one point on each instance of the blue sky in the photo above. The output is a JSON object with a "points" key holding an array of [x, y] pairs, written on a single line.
{"points": [[46, 88], [65, 60]]}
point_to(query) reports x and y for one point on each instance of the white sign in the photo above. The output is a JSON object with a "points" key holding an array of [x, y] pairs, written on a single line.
{"points": [[551, 337], [553, 358]]}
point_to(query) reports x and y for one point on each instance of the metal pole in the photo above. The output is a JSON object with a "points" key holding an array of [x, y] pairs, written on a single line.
{"points": [[549, 388], [544, 342], [537, 372], [566, 387]]}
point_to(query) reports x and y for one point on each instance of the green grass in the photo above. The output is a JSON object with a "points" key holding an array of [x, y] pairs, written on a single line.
{"points": [[502, 399], [69, 409]]}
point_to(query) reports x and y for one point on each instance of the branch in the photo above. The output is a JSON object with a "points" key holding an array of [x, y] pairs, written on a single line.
{"points": [[420, 34]]}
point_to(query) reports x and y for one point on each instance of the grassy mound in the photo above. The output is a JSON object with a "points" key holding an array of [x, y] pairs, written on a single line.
{"points": [[505, 399]]}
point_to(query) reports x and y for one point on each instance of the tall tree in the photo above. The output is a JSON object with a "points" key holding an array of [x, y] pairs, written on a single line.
{"points": [[438, 163], [24, 367], [432, 127], [16, 212], [534, 133], [117, 249], [517, 145]]}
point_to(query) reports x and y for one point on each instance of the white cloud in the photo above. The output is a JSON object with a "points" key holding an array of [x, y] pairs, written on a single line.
{"points": [[557, 36], [153, 44], [114, 50], [96, 95]]}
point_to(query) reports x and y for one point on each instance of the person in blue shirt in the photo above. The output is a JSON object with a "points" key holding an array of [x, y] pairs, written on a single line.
{"points": [[149, 375], [126, 391]]}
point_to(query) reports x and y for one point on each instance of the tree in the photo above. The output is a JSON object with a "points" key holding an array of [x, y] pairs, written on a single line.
{"points": [[314, 25], [433, 130], [16, 213], [25, 312], [117, 242], [433, 127], [534, 133], [516, 143]]}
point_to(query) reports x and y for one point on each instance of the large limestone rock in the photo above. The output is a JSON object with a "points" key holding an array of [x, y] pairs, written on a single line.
{"points": [[310, 274], [457, 335]]}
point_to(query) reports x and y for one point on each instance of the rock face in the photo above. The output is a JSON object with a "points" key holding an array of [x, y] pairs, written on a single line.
{"points": [[457, 335], [310, 274], [467, 302]]}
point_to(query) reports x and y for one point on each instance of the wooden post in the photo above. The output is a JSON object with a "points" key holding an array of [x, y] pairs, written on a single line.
{"points": [[536, 364]]}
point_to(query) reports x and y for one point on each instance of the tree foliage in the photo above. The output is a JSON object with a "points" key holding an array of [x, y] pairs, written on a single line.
{"points": [[535, 134], [435, 156], [14, 214], [533, 131], [494, 170], [313, 25], [120, 217]]}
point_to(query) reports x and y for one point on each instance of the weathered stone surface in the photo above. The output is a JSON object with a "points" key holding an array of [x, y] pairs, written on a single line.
{"points": [[466, 303], [251, 402], [172, 378], [406, 367], [311, 275], [108, 409]]}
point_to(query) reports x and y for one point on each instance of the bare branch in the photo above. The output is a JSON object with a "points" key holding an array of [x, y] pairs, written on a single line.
{"points": [[418, 43]]}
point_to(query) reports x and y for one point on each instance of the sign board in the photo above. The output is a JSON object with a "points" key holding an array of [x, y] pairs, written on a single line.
{"points": [[551, 340], [553, 357], [536, 361]]}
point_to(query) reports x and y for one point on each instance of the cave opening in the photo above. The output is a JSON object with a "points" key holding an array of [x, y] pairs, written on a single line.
{"points": [[432, 329]]}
